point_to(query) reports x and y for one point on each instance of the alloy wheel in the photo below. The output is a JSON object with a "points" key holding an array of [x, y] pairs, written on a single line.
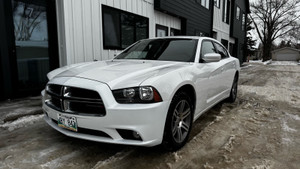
{"points": [[181, 121]]}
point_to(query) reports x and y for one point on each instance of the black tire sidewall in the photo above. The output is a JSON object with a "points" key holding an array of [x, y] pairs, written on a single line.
{"points": [[232, 97], [168, 140]]}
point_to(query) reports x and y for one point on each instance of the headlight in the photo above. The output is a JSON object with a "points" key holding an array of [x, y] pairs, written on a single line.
{"points": [[144, 94]]}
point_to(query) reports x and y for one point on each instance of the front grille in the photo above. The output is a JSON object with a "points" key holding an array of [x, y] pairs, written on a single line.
{"points": [[74, 100], [54, 89]]}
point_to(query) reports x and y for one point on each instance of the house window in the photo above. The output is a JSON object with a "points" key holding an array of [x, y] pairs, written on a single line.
{"points": [[231, 47], [243, 21], [215, 35], [204, 3], [217, 3], [224, 43], [161, 31], [121, 29], [238, 12], [174, 32], [226, 11]]}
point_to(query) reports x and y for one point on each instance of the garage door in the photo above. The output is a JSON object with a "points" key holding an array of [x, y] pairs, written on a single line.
{"points": [[287, 57]]}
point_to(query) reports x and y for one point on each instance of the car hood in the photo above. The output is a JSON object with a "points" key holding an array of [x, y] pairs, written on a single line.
{"points": [[119, 74]]}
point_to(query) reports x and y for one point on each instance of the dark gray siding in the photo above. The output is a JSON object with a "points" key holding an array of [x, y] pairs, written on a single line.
{"points": [[195, 18], [236, 28]]}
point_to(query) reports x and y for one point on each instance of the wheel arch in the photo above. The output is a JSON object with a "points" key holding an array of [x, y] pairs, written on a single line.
{"points": [[237, 74], [190, 90]]}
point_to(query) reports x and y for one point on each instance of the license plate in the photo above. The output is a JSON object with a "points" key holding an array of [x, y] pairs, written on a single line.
{"points": [[67, 122]]}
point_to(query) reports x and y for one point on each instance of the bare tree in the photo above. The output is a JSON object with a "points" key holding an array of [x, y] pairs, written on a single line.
{"points": [[249, 38], [294, 38], [28, 21], [274, 19]]}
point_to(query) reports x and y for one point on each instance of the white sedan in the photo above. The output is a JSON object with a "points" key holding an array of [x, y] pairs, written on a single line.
{"points": [[150, 94]]}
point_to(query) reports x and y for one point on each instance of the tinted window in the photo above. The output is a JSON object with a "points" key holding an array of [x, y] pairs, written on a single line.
{"points": [[121, 29], [111, 28], [207, 47], [182, 50], [221, 50]]}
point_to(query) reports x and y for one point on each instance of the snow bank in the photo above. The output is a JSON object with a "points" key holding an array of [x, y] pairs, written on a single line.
{"points": [[284, 63], [21, 122], [276, 63], [118, 156]]}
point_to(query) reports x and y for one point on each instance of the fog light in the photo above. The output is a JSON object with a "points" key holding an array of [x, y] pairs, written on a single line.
{"points": [[136, 135]]}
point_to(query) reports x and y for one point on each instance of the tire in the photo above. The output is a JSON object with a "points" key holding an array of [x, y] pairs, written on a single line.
{"points": [[179, 122], [233, 91]]}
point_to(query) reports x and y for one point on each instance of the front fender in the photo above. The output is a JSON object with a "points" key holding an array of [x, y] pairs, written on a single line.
{"points": [[168, 84]]}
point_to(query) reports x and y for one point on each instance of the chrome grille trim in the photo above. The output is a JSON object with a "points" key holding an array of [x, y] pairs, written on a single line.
{"points": [[73, 100]]}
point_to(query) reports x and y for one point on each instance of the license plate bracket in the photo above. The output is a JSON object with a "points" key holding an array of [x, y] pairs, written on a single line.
{"points": [[67, 122]]}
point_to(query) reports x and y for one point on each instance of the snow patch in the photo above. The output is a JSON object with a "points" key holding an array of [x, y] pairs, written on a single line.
{"points": [[284, 63], [275, 63], [218, 118], [267, 62], [286, 141], [292, 116], [261, 62], [255, 61], [266, 164], [21, 122], [207, 166], [229, 145], [118, 156], [169, 165], [56, 163], [176, 156], [46, 152], [285, 127]]}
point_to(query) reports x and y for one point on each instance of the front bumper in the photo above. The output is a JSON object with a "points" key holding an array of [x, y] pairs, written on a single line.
{"points": [[147, 120]]}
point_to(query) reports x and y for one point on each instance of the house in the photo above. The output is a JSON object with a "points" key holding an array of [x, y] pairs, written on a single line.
{"points": [[38, 36], [229, 25], [286, 54]]}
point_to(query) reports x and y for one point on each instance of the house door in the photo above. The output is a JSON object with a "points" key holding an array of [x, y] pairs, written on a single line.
{"points": [[31, 42], [28, 47]]}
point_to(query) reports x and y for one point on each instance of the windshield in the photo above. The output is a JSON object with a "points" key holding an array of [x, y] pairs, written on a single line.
{"points": [[181, 50]]}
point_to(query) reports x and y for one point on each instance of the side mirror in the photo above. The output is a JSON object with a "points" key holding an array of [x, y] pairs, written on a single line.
{"points": [[211, 57]]}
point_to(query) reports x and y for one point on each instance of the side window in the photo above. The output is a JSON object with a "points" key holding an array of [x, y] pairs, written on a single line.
{"points": [[221, 50], [207, 47]]}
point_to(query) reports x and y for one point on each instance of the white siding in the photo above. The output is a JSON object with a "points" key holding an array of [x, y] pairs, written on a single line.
{"points": [[222, 28], [80, 26]]}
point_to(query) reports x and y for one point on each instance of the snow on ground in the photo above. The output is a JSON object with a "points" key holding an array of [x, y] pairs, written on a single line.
{"points": [[21, 122], [118, 156], [275, 63], [57, 163], [259, 131], [285, 63]]}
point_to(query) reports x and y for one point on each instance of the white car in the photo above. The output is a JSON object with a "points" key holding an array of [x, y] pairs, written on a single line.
{"points": [[150, 94]]}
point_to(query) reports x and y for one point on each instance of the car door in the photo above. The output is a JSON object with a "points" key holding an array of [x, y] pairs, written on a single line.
{"points": [[227, 70], [208, 77]]}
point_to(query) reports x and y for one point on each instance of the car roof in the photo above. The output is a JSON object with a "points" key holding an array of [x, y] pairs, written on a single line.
{"points": [[183, 37]]}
